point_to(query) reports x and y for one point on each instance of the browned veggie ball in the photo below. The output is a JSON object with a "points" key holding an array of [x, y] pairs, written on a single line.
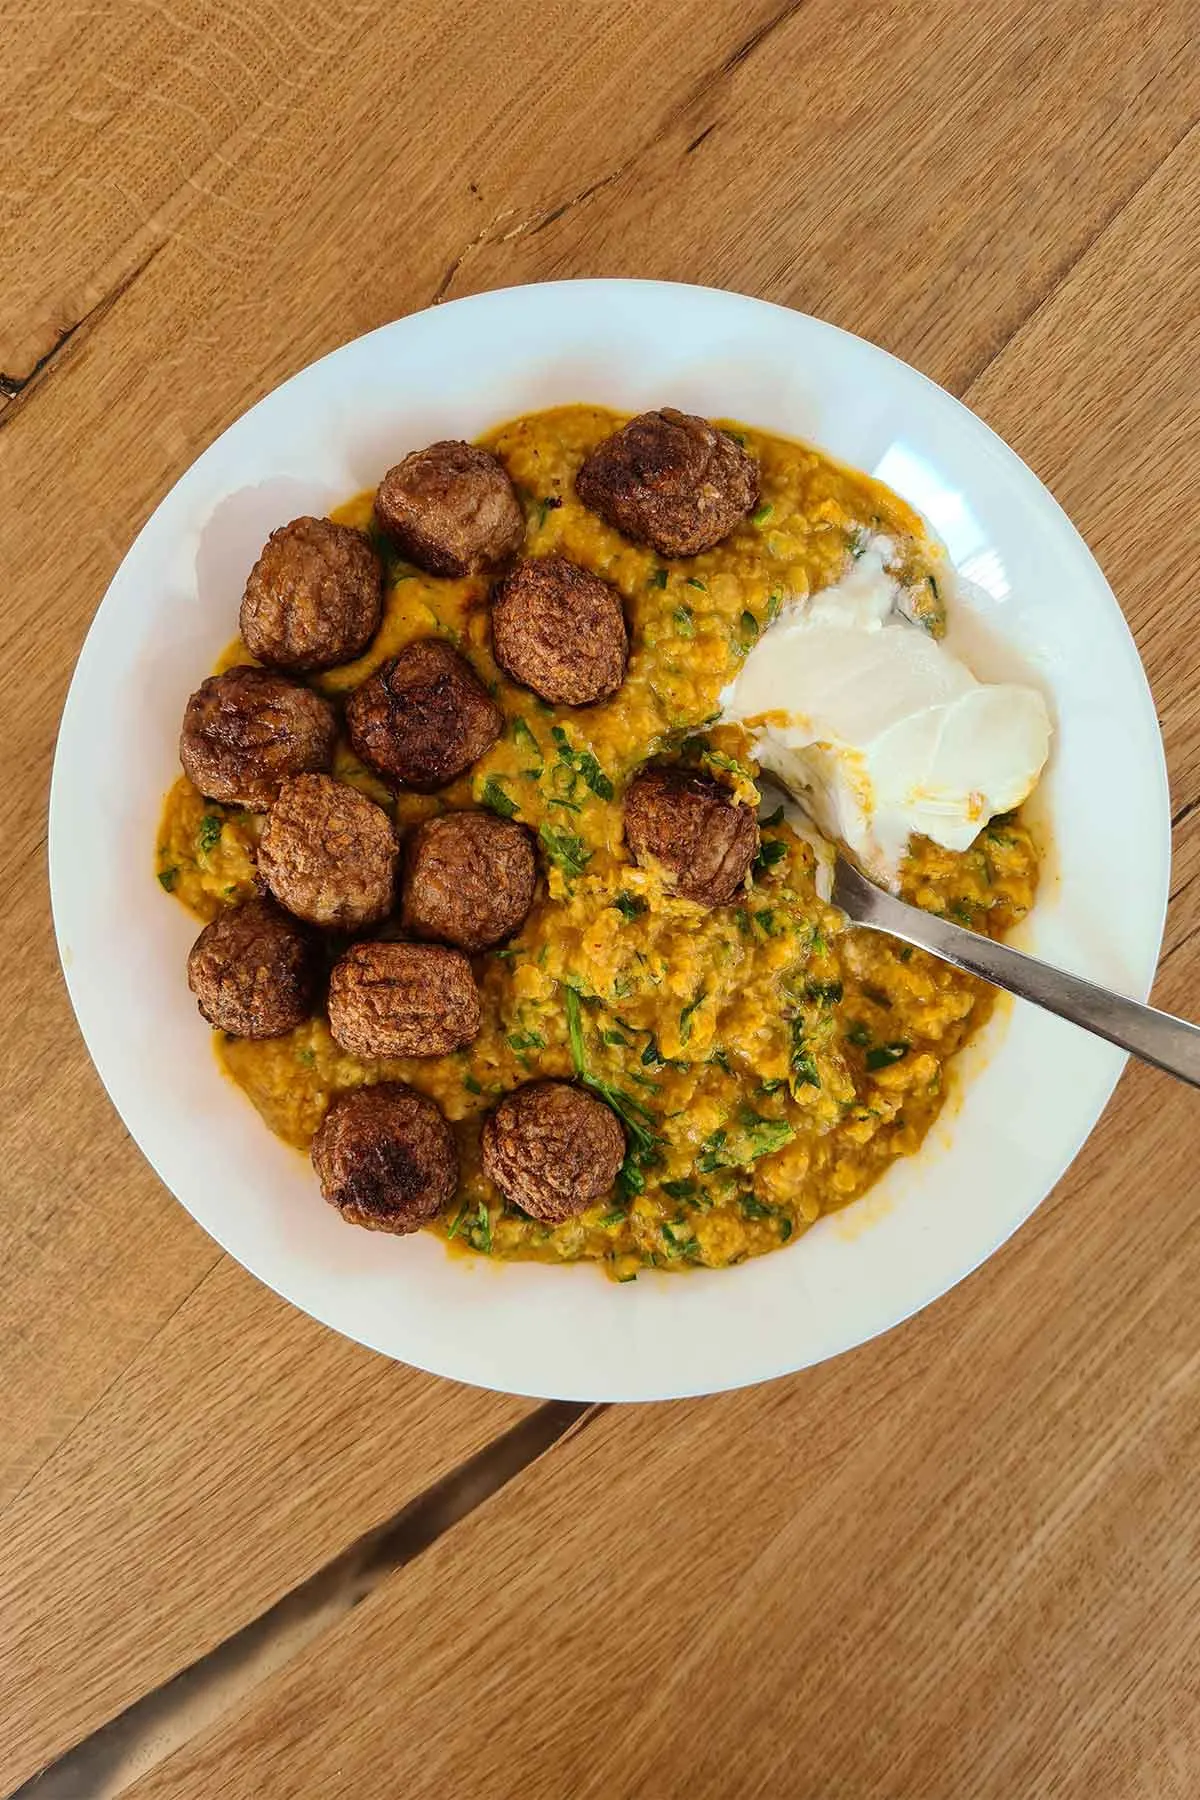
{"points": [[329, 854], [560, 630], [385, 1157], [314, 597], [254, 971], [423, 718], [248, 730], [690, 824], [451, 509], [670, 480], [403, 1000], [552, 1149], [469, 879]]}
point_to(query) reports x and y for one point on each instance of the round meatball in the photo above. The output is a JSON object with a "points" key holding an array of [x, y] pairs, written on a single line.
{"points": [[314, 597], [385, 1157], [451, 509], [559, 630], [552, 1149], [469, 879], [403, 1000], [670, 480], [329, 854], [248, 730], [689, 823], [423, 718], [254, 971]]}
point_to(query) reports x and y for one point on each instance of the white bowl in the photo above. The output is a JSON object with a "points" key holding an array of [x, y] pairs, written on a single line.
{"points": [[1032, 1087]]}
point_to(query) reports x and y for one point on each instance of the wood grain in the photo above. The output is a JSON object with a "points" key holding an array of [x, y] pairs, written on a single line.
{"points": [[959, 1561]]}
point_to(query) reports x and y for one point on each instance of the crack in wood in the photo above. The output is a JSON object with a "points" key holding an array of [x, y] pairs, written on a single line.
{"points": [[544, 217], [19, 389], [1184, 812], [108, 1761]]}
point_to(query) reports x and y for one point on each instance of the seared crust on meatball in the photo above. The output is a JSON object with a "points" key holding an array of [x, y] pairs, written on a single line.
{"points": [[552, 1149], [329, 854], [314, 597], [423, 718], [403, 1000], [248, 730], [385, 1157], [469, 879], [254, 971], [689, 823], [560, 630], [451, 509], [670, 480]]}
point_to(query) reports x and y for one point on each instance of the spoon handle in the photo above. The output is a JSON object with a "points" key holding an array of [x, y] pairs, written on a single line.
{"points": [[1156, 1037]]}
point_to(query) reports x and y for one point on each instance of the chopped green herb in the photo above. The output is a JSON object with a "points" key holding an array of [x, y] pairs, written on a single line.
{"points": [[630, 1179], [825, 993], [962, 910], [394, 566], [885, 1054], [717, 759], [859, 1034], [208, 836], [550, 504], [905, 952], [526, 1040], [630, 906], [785, 1229], [804, 1067], [471, 1085], [616, 1040], [308, 1058], [680, 1190], [579, 762], [757, 1137], [652, 1057], [770, 851], [564, 849], [775, 818], [168, 878], [457, 1220], [523, 735], [616, 1217], [657, 578], [739, 437], [765, 919], [685, 1017], [762, 513], [774, 607], [818, 946], [857, 541], [742, 918], [749, 625], [479, 1231], [494, 797], [752, 1208], [692, 581], [575, 1031], [719, 1057], [685, 623]]}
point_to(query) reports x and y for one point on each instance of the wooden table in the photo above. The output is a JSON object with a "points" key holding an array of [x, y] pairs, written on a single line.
{"points": [[963, 1561]]}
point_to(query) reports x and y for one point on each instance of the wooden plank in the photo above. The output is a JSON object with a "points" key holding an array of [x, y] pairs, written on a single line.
{"points": [[961, 1560], [234, 1458]]}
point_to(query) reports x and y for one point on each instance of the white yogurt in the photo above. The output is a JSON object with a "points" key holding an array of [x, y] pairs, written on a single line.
{"points": [[877, 727]]}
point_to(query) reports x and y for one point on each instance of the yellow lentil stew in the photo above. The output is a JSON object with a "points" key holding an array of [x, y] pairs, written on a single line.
{"points": [[767, 1064]]}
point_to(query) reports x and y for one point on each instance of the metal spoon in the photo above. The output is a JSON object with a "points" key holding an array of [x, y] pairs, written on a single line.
{"points": [[1156, 1037]]}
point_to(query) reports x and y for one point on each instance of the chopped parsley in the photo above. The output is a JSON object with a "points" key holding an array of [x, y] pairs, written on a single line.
{"points": [[471, 1085], [208, 836], [617, 1217], [774, 607], [563, 848], [583, 763], [804, 1066], [685, 1018], [749, 626], [630, 906], [857, 541], [825, 993], [859, 1034], [692, 581], [307, 1058], [762, 513], [494, 797], [168, 878], [680, 1190], [657, 578], [775, 818], [885, 1054], [526, 1040], [770, 851], [523, 735], [685, 623], [479, 1231]]}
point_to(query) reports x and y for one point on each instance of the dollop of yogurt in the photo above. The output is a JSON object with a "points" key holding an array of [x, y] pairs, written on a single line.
{"points": [[877, 727]]}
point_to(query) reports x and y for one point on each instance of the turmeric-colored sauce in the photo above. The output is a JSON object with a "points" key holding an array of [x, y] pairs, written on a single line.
{"points": [[767, 1063]]}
